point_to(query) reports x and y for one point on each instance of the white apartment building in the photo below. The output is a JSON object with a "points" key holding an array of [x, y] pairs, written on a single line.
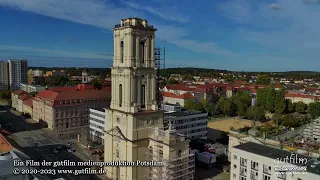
{"points": [[97, 124], [255, 162], [312, 131], [191, 123], [31, 87]]}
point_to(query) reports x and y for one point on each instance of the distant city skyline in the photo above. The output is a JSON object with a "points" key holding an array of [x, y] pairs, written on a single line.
{"points": [[235, 35]]}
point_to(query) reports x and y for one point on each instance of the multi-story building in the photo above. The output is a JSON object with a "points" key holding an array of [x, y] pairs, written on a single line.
{"points": [[68, 108], [191, 123], [17, 98], [256, 161], [13, 73], [34, 73], [31, 88], [134, 125], [171, 98], [4, 75], [97, 125], [17, 73], [312, 131]]}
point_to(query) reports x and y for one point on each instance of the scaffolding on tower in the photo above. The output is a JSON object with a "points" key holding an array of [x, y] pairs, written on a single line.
{"points": [[160, 60]]}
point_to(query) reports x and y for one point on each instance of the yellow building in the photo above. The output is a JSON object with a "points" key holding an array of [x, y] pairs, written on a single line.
{"points": [[134, 125]]}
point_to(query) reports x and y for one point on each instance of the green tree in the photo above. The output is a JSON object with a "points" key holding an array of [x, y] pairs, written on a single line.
{"points": [[259, 114], [280, 102], [314, 110], [229, 107], [300, 107], [194, 105], [57, 81], [220, 104], [97, 84], [262, 97], [263, 79], [5, 94], [289, 106], [242, 101], [188, 77], [270, 99], [250, 113], [172, 82]]}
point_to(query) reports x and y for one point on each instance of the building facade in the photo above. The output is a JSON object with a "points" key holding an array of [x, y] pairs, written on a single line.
{"points": [[68, 108], [31, 88], [97, 118], [133, 117], [255, 161], [17, 98], [312, 131], [4, 75], [191, 123], [12, 74]]}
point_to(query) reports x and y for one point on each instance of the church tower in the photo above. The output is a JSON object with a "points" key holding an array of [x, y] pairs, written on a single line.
{"points": [[85, 76], [133, 108]]}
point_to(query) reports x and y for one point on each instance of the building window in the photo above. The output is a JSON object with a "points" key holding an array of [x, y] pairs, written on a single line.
{"points": [[121, 51], [282, 175], [179, 153], [142, 51], [243, 171], [243, 162], [266, 169], [160, 153], [120, 95], [143, 96], [118, 120], [265, 177], [234, 157], [254, 165]]}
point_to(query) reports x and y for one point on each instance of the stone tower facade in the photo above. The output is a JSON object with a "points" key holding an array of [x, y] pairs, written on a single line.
{"points": [[133, 108], [134, 125]]}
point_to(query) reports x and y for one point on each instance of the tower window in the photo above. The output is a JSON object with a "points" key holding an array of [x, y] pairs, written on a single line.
{"points": [[117, 153], [143, 96], [121, 51], [142, 51], [120, 95]]}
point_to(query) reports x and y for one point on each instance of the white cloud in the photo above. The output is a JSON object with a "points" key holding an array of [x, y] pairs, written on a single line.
{"points": [[237, 10], [170, 16], [31, 51], [275, 7], [105, 14]]}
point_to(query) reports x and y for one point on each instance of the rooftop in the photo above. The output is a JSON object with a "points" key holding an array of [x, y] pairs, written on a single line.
{"points": [[183, 112], [5, 146], [274, 153]]}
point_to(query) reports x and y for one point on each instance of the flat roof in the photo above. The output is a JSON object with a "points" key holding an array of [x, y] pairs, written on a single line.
{"points": [[182, 113], [275, 153]]}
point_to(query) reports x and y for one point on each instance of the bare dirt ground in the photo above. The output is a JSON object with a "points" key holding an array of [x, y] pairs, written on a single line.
{"points": [[225, 124]]}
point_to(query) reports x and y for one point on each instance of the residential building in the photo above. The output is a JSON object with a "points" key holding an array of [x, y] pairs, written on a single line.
{"points": [[34, 73], [17, 73], [68, 107], [305, 98], [170, 98], [4, 76], [32, 88], [134, 125], [59, 73], [7, 157], [312, 131], [28, 106], [97, 125], [256, 161], [12, 74], [191, 123], [17, 98]]}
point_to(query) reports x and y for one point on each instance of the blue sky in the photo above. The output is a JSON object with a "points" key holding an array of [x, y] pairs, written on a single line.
{"points": [[242, 35]]}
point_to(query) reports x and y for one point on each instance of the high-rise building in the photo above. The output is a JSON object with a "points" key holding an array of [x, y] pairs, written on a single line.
{"points": [[13, 73], [134, 125], [4, 76]]}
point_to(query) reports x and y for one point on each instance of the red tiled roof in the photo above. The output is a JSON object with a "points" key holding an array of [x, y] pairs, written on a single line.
{"points": [[48, 94], [24, 97], [298, 95], [64, 89], [5, 146], [178, 87], [29, 102], [19, 92], [182, 96]]}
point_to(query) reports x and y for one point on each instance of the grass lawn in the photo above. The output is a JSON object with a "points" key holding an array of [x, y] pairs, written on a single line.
{"points": [[3, 102]]}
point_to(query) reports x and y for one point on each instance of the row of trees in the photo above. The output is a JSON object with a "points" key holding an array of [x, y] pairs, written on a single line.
{"points": [[5, 94], [272, 100]]}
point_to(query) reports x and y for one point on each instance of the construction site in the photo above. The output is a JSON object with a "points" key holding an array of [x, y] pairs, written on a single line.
{"points": [[172, 149]]}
